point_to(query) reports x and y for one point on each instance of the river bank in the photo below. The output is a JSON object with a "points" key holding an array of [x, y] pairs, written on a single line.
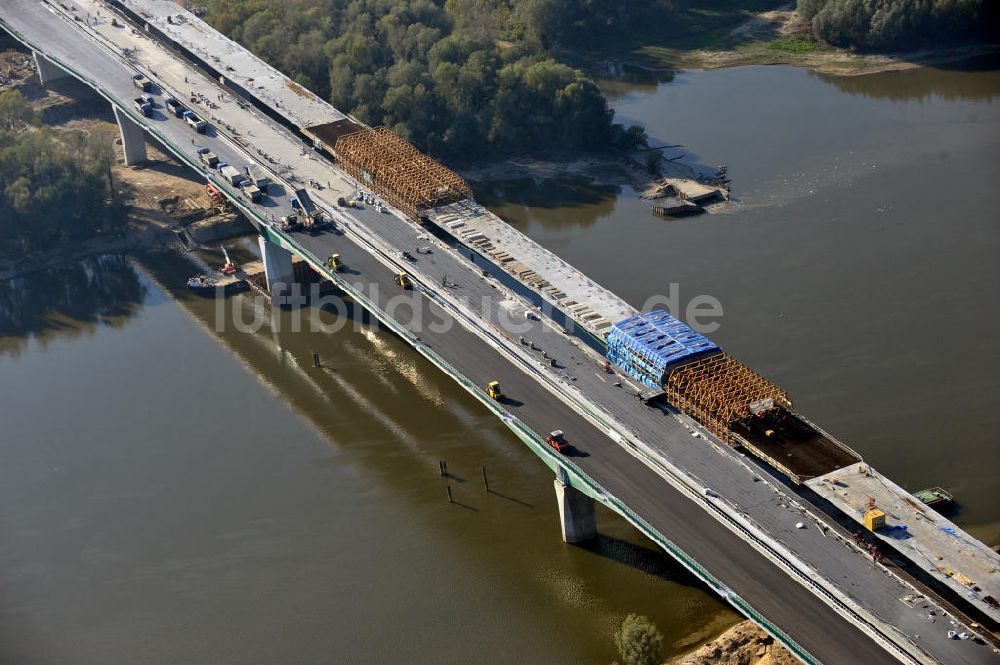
{"points": [[743, 644], [545, 180], [168, 206], [772, 36]]}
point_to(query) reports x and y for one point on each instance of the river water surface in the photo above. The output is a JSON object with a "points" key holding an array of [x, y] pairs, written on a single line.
{"points": [[860, 268], [174, 494], [170, 493]]}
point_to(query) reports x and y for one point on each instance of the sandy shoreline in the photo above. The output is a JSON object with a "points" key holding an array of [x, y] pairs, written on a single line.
{"points": [[840, 62], [742, 644], [753, 43]]}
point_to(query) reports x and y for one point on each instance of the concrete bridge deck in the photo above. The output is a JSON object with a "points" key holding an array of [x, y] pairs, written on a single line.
{"points": [[949, 555], [749, 574]]}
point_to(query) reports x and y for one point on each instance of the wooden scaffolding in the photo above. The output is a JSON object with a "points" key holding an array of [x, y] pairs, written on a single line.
{"points": [[396, 171], [718, 389]]}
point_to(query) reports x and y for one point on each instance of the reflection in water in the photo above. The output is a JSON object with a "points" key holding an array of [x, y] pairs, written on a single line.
{"points": [[976, 80], [522, 199], [70, 300], [389, 412], [620, 78]]}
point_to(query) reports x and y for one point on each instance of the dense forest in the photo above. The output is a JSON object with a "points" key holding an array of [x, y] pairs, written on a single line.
{"points": [[54, 187], [900, 24], [459, 78]]}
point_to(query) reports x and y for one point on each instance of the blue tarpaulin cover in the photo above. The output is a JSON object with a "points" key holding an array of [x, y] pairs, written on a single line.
{"points": [[647, 345]]}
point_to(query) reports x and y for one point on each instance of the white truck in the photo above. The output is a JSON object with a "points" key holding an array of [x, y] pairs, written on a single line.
{"points": [[175, 107], [196, 123], [208, 158], [250, 191], [231, 174], [141, 82], [144, 105], [257, 175]]}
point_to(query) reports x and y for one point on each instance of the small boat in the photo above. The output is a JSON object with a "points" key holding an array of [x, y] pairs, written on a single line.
{"points": [[935, 497], [202, 283]]}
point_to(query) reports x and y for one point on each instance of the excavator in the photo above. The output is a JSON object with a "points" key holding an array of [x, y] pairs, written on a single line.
{"points": [[220, 203], [335, 263]]}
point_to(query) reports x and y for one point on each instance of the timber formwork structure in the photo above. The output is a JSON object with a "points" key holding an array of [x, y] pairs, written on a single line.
{"points": [[718, 389], [396, 171]]}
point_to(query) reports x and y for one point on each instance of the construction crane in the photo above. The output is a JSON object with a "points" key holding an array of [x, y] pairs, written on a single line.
{"points": [[229, 267]]}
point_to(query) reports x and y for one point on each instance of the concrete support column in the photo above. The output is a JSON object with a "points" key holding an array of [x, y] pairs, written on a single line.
{"points": [[576, 513], [48, 70], [133, 138], [277, 268]]}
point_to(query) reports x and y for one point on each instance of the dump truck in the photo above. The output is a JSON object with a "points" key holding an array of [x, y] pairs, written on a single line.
{"points": [[493, 390], [208, 158], [335, 262], [257, 175], [404, 280], [231, 174], [196, 123], [143, 104], [314, 219], [140, 81], [175, 107], [250, 191], [304, 202]]}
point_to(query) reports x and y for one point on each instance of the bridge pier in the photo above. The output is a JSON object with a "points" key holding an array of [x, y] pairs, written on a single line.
{"points": [[133, 138], [47, 70], [576, 514], [277, 268]]}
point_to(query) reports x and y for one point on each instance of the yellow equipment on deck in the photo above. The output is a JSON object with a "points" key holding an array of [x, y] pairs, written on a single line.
{"points": [[493, 390], [335, 263], [404, 280], [874, 519]]}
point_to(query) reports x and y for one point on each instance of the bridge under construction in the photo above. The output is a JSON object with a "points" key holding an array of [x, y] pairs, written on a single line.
{"points": [[669, 463]]}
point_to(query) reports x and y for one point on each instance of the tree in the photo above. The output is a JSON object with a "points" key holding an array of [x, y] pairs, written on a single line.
{"points": [[102, 153], [456, 77], [899, 24], [54, 187], [15, 111], [639, 641]]}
